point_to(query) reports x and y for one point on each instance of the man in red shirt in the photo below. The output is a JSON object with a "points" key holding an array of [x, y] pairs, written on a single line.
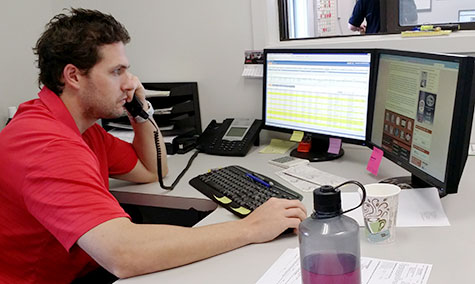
{"points": [[58, 220]]}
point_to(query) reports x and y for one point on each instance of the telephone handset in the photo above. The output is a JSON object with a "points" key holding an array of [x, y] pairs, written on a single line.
{"points": [[232, 137], [135, 108]]}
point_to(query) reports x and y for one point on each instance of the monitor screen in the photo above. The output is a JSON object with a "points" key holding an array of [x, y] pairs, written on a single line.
{"points": [[466, 16], [321, 92], [423, 112]]}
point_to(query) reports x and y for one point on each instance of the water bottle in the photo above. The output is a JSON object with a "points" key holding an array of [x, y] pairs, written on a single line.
{"points": [[329, 241]]}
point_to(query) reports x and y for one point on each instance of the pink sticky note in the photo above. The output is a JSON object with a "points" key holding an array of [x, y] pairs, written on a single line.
{"points": [[374, 161], [335, 145]]}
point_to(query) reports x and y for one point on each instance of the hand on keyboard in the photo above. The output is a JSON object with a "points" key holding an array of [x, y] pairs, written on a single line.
{"points": [[240, 190], [273, 217], [268, 207]]}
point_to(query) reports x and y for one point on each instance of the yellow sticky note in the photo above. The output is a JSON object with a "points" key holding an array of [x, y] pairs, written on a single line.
{"points": [[277, 146], [297, 136], [242, 210], [223, 199]]}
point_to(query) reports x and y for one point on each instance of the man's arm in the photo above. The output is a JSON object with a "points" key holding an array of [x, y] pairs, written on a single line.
{"points": [[355, 23], [126, 249], [144, 144], [353, 28]]}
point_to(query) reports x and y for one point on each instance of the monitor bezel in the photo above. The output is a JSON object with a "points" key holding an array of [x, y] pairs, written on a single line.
{"points": [[322, 51], [461, 120]]}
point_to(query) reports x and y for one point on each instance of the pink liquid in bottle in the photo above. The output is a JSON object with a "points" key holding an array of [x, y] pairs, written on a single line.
{"points": [[331, 269]]}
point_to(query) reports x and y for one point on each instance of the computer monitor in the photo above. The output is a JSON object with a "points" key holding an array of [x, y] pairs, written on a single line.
{"points": [[422, 115], [466, 16], [324, 93]]}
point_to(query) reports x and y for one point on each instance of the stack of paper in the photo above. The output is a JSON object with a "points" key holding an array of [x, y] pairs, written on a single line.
{"points": [[307, 178], [286, 270], [156, 93]]}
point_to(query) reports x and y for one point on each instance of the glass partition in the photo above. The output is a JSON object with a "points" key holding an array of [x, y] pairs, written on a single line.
{"points": [[329, 18]]}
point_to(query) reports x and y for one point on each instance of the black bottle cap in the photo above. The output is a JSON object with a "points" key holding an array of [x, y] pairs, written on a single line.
{"points": [[326, 202]]}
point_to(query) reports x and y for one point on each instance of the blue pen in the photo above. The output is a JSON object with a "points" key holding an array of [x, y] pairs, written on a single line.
{"points": [[259, 180]]}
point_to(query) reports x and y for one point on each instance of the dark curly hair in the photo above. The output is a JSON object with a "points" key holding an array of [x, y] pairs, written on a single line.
{"points": [[74, 39]]}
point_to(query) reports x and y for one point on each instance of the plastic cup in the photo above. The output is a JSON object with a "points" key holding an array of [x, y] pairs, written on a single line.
{"points": [[380, 212]]}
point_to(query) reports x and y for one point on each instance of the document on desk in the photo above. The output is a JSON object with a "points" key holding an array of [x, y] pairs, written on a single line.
{"points": [[422, 207], [417, 207], [307, 178], [156, 93], [120, 125], [300, 184], [167, 110], [125, 135], [286, 270]]}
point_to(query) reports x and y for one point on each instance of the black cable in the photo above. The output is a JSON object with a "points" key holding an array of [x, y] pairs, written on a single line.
{"points": [[159, 161], [363, 198]]}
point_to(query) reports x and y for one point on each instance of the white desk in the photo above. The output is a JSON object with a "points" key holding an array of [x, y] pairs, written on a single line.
{"points": [[449, 249]]}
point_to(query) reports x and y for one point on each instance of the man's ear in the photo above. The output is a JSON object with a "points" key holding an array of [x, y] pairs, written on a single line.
{"points": [[71, 76]]}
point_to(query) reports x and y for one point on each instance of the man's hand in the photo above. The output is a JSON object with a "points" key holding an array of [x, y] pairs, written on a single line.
{"points": [[362, 29], [273, 217], [137, 89]]}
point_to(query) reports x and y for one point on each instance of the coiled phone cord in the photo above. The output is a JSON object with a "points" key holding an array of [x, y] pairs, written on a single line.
{"points": [[159, 161]]}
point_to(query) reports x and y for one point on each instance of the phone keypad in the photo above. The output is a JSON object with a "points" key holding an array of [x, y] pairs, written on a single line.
{"points": [[230, 146]]}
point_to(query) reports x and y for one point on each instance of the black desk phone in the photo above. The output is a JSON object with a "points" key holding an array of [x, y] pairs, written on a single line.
{"points": [[232, 137]]}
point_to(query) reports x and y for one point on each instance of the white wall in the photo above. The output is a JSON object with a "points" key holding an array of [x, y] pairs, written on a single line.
{"points": [[21, 23], [177, 40], [183, 40]]}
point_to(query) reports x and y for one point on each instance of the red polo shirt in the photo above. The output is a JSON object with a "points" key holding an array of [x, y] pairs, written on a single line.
{"points": [[53, 189]]}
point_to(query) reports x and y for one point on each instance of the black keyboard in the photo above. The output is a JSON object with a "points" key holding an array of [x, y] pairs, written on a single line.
{"points": [[240, 190]]}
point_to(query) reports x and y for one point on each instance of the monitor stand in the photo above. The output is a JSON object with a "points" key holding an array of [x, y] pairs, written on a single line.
{"points": [[408, 182], [318, 152]]}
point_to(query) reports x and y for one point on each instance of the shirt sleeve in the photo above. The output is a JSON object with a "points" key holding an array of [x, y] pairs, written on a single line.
{"points": [[358, 15], [64, 191], [121, 156]]}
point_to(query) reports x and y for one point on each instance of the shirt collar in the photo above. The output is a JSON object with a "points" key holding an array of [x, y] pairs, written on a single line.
{"points": [[57, 108]]}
